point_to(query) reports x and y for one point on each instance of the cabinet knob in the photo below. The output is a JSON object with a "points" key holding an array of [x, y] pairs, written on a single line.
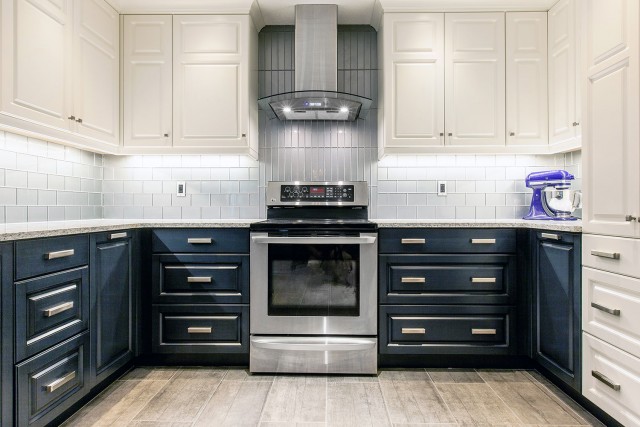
{"points": [[512, 134], [441, 133], [630, 218], [71, 117], [166, 135], [79, 120], [575, 124], [450, 134]]}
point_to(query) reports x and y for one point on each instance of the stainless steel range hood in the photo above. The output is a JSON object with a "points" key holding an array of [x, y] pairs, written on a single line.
{"points": [[316, 73]]}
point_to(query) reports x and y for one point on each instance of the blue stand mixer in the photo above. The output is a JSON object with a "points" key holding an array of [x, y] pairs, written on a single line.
{"points": [[552, 199]]}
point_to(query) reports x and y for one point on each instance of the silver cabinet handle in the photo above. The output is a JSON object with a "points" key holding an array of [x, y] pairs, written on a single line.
{"points": [[166, 135], [512, 134], [602, 378], [441, 133], [337, 240], [199, 330], [313, 343], [413, 280], [50, 388], [630, 218], [602, 254], [414, 331], [60, 254], [575, 124], [613, 311], [113, 236], [199, 279], [551, 236], [58, 309], [483, 241], [71, 117], [79, 120], [200, 240], [413, 241], [450, 134], [483, 280], [475, 331]]}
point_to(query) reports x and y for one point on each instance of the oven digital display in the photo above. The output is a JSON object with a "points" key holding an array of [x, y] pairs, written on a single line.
{"points": [[328, 193], [316, 191]]}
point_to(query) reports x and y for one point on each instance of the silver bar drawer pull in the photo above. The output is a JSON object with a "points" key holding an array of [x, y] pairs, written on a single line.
{"points": [[197, 279], [483, 280], [483, 241], [602, 254], [199, 330], [413, 241], [199, 240], [58, 309], [475, 331], [614, 311], [413, 331], [602, 378], [60, 382], [550, 236], [413, 280], [113, 236], [59, 254]]}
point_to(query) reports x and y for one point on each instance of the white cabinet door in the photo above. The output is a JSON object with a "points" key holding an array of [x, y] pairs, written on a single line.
{"points": [[96, 86], [414, 79], [611, 118], [147, 80], [526, 55], [210, 81], [35, 64], [475, 79], [564, 104]]}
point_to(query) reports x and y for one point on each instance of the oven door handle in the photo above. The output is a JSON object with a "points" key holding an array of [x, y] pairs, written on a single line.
{"points": [[313, 344], [311, 240]]}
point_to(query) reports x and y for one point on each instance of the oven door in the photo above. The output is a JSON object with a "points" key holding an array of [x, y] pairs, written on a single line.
{"points": [[314, 285]]}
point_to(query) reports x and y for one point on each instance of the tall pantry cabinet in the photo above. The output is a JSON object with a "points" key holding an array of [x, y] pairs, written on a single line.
{"points": [[611, 243]]}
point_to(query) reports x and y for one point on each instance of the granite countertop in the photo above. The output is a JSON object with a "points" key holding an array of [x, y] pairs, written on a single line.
{"points": [[20, 231]]}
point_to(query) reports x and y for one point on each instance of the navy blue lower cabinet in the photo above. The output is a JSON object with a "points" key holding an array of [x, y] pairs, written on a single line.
{"points": [[52, 382], [556, 305], [447, 329], [112, 261], [6, 336]]}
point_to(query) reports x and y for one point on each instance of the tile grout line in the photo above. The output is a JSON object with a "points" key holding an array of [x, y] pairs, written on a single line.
{"points": [[204, 405], [435, 386], [265, 400], [501, 399], [384, 401]]}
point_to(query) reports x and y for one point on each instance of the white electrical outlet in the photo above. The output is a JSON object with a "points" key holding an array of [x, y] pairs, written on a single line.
{"points": [[181, 189], [442, 188]]}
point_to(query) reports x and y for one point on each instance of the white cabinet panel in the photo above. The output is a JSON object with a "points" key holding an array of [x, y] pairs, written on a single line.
{"points": [[615, 254], [526, 73], [147, 80], [475, 79]]}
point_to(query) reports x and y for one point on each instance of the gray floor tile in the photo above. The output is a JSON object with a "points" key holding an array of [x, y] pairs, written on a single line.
{"points": [[235, 403], [296, 399], [352, 379], [245, 375], [403, 375], [355, 404], [504, 375], [454, 376], [476, 404], [151, 373]]}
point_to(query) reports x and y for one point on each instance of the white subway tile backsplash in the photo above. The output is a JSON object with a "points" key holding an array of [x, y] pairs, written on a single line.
{"points": [[476, 199], [15, 214], [37, 213], [8, 196], [161, 200], [485, 212], [26, 197], [142, 200], [27, 162], [16, 179], [407, 212], [465, 186], [407, 186]]}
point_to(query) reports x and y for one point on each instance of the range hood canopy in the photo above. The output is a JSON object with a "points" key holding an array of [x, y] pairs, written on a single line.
{"points": [[316, 73]]}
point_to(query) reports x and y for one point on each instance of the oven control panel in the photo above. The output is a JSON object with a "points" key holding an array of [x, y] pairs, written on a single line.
{"points": [[319, 193]]}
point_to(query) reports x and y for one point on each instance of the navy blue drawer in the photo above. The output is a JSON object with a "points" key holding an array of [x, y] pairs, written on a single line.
{"points": [[442, 240], [41, 256], [208, 240], [201, 278], [447, 279], [49, 384], [447, 330], [200, 329], [50, 309]]}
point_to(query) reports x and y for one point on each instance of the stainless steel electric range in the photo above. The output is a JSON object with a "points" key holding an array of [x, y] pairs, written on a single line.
{"points": [[314, 280]]}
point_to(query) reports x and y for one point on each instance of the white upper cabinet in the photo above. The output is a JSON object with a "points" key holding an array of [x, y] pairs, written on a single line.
{"points": [[147, 80], [611, 139], [564, 89], [475, 79], [526, 55]]}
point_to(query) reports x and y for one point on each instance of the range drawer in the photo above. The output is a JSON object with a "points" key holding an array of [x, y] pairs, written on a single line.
{"points": [[41, 256], [611, 308], [197, 240], [49, 384], [447, 279], [611, 380], [222, 279], [200, 328], [50, 309], [440, 240], [614, 254], [447, 330]]}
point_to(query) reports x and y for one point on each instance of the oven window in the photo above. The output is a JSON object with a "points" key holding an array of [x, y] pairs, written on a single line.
{"points": [[314, 280]]}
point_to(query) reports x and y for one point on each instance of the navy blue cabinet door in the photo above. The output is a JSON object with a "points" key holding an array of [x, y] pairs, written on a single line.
{"points": [[556, 314], [6, 322], [112, 303]]}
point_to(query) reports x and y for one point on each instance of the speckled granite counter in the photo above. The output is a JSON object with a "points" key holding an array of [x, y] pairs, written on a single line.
{"points": [[9, 232]]}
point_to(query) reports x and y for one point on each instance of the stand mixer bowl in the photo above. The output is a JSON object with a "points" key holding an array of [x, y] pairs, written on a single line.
{"points": [[561, 203]]}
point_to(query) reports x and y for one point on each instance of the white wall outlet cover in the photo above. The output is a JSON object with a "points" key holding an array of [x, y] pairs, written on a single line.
{"points": [[181, 189], [442, 188]]}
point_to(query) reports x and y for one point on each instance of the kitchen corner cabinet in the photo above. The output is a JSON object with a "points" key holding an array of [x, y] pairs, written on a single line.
{"points": [[6, 334], [611, 122], [565, 127], [60, 70], [113, 299], [557, 303]]}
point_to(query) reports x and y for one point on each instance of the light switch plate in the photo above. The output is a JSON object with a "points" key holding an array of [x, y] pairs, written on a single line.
{"points": [[181, 189], [442, 188]]}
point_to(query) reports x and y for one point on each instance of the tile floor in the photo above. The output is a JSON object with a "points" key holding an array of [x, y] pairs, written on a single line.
{"points": [[203, 396]]}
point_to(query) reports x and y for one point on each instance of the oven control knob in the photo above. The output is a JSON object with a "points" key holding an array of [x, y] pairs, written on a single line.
{"points": [[305, 189]]}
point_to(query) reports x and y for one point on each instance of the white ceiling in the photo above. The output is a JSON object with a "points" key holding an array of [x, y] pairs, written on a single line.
{"points": [[281, 12]]}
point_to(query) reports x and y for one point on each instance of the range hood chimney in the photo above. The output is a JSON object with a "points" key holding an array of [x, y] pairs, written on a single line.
{"points": [[316, 95]]}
